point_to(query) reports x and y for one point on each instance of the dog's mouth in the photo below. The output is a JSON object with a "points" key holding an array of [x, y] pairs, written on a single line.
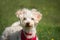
{"points": [[28, 26]]}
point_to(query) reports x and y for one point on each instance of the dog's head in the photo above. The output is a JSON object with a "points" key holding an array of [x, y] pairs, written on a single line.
{"points": [[28, 18]]}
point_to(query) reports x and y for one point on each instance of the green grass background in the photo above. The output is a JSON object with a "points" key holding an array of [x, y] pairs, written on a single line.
{"points": [[49, 26]]}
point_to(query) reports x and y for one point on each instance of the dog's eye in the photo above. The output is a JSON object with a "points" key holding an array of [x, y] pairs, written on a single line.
{"points": [[32, 18], [24, 18]]}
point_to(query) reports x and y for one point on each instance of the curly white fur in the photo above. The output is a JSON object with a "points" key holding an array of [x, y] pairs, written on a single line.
{"points": [[13, 32]]}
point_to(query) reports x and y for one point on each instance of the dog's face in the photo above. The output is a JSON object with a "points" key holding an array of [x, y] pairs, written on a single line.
{"points": [[29, 18]]}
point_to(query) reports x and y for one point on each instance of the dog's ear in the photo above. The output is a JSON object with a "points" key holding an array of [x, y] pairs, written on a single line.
{"points": [[19, 13], [37, 14]]}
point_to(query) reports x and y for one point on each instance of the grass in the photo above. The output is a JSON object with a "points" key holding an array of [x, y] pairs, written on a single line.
{"points": [[49, 26]]}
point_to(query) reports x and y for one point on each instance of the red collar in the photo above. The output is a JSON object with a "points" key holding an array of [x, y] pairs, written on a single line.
{"points": [[23, 37]]}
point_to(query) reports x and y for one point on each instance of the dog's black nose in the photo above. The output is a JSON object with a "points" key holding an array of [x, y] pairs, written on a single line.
{"points": [[27, 23]]}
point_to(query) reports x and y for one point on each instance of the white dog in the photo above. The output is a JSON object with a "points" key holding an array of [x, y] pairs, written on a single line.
{"points": [[28, 21]]}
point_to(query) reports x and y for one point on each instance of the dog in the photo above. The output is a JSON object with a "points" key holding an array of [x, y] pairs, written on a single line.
{"points": [[25, 28]]}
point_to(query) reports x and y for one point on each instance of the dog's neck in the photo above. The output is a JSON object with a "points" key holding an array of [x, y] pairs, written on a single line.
{"points": [[30, 32]]}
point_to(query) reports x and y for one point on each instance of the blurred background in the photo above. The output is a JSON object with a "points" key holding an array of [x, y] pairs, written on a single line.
{"points": [[48, 28]]}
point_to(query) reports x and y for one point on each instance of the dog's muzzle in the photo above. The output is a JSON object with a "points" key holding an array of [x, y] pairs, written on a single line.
{"points": [[28, 25]]}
